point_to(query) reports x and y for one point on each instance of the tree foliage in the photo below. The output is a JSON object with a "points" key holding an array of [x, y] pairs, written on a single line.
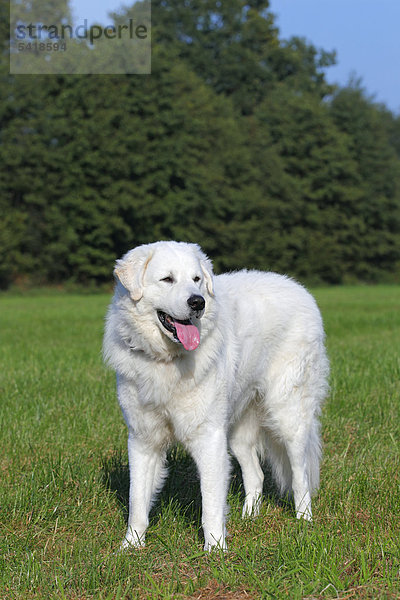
{"points": [[234, 141]]}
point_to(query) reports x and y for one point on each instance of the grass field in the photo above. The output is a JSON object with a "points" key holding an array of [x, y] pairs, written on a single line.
{"points": [[64, 477]]}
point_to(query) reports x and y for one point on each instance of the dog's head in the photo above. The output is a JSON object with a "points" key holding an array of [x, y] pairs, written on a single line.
{"points": [[170, 282]]}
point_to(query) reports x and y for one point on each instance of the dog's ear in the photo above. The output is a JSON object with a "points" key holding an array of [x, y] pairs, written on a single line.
{"points": [[206, 267], [130, 270]]}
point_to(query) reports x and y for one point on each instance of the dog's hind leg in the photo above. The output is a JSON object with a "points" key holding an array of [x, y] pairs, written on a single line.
{"points": [[293, 452], [297, 385], [304, 455], [147, 472], [244, 442], [300, 484]]}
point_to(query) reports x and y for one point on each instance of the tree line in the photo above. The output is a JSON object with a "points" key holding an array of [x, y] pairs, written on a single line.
{"points": [[235, 141]]}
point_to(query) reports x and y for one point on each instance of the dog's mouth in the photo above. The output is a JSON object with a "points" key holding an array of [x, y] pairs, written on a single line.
{"points": [[183, 332]]}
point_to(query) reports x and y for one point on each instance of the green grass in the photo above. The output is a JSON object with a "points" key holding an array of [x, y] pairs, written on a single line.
{"points": [[64, 477]]}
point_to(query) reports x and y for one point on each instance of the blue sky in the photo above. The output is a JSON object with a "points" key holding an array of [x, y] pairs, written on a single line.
{"points": [[365, 34]]}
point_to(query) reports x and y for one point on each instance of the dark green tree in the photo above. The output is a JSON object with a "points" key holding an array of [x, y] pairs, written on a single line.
{"points": [[234, 47], [235, 141], [377, 246]]}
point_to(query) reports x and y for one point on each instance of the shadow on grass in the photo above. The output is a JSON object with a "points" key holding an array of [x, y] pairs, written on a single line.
{"points": [[182, 486]]}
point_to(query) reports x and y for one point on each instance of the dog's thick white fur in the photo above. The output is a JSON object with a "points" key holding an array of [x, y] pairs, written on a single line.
{"points": [[229, 362]]}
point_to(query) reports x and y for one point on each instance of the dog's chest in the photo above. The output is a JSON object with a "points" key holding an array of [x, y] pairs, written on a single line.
{"points": [[164, 384], [170, 399]]}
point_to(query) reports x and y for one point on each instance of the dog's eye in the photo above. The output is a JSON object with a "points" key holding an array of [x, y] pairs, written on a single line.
{"points": [[168, 279], [196, 279]]}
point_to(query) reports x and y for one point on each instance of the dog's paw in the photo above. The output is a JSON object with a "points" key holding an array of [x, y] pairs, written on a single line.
{"points": [[215, 547], [132, 541], [304, 515], [211, 544], [251, 507]]}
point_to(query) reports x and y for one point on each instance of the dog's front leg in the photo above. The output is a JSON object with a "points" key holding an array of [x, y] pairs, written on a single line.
{"points": [[146, 469], [210, 453]]}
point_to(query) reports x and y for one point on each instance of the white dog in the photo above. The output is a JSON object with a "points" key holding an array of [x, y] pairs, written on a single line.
{"points": [[230, 361]]}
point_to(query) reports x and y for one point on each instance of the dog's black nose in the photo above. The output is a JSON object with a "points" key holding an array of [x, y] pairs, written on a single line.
{"points": [[196, 302]]}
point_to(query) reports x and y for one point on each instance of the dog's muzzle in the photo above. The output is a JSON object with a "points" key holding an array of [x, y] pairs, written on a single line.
{"points": [[184, 331]]}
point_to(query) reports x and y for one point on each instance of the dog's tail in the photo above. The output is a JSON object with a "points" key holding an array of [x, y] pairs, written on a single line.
{"points": [[276, 455]]}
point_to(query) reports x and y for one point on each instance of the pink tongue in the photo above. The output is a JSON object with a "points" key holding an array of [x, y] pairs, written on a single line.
{"points": [[187, 334]]}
